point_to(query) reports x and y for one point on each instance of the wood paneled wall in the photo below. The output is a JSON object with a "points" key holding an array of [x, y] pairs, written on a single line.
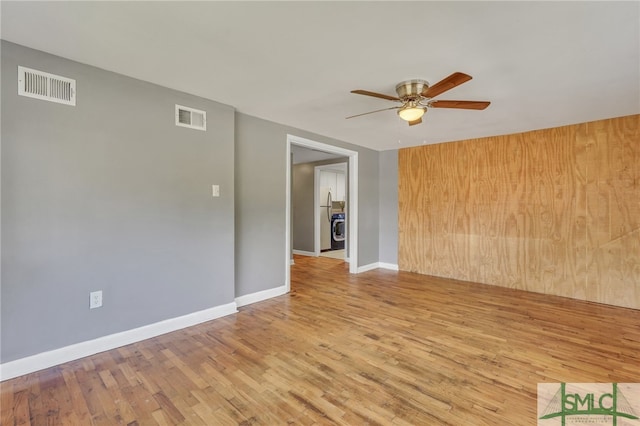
{"points": [[554, 211]]}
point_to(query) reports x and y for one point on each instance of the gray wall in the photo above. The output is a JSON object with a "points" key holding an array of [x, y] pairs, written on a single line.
{"points": [[109, 195], [302, 203], [260, 202], [302, 206], [368, 215], [388, 191]]}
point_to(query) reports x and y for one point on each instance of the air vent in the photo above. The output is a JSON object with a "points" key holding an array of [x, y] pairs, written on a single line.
{"points": [[47, 87], [191, 118]]}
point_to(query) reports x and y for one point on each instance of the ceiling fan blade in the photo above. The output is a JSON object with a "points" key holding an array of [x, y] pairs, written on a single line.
{"points": [[375, 95], [455, 79], [371, 112], [414, 122], [459, 104]]}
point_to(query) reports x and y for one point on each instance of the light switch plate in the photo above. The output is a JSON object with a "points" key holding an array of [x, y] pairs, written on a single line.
{"points": [[215, 190]]}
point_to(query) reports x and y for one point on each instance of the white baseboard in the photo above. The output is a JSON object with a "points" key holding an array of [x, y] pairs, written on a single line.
{"points": [[377, 265], [260, 296], [303, 253], [368, 267], [391, 266], [48, 359]]}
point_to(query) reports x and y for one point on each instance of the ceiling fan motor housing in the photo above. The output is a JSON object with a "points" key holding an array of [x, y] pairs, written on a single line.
{"points": [[411, 88]]}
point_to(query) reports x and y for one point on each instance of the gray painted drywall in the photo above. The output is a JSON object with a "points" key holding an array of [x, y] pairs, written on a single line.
{"points": [[302, 154], [302, 203], [388, 191], [259, 205], [368, 215], [302, 207], [109, 195], [260, 173]]}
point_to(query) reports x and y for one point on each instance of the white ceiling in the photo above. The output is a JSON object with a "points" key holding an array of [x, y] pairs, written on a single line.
{"points": [[541, 64]]}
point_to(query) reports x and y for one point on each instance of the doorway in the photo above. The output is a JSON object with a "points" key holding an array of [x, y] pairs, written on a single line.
{"points": [[351, 204], [330, 211]]}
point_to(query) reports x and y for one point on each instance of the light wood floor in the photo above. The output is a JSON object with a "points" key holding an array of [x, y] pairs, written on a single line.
{"points": [[334, 254], [379, 348]]}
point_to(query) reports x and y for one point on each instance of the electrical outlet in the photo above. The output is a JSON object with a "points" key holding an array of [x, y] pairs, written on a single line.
{"points": [[95, 299]]}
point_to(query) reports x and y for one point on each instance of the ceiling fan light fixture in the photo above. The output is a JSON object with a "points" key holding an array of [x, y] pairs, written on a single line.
{"points": [[411, 113], [416, 96]]}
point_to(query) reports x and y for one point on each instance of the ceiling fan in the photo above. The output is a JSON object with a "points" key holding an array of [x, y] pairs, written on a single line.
{"points": [[416, 96]]}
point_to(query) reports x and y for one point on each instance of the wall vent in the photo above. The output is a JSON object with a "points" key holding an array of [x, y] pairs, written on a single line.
{"points": [[191, 118], [47, 87]]}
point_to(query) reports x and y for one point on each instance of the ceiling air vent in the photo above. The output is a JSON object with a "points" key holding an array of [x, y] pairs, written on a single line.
{"points": [[47, 87], [191, 118]]}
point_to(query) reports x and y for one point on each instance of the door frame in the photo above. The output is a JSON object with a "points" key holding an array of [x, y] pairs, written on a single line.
{"points": [[352, 200]]}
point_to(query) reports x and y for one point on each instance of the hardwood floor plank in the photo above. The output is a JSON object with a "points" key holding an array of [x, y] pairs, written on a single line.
{"points": [[378, 348], [78, 402], [20, 411], [162, 419], [8, 405]]}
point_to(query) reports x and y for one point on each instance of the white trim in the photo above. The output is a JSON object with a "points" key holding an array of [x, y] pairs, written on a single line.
{"points": [[317, 246], [352, 223], [304, 253], [259, 296], [378, 265], [287, 219], [390, 266], [368, 267], [48, 359]]}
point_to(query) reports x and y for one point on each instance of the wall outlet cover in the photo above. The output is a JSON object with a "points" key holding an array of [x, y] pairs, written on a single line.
{"points": [[95, 299]]}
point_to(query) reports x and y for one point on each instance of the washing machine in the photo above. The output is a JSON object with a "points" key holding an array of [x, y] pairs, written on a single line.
{"points": [[337, 231]]}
